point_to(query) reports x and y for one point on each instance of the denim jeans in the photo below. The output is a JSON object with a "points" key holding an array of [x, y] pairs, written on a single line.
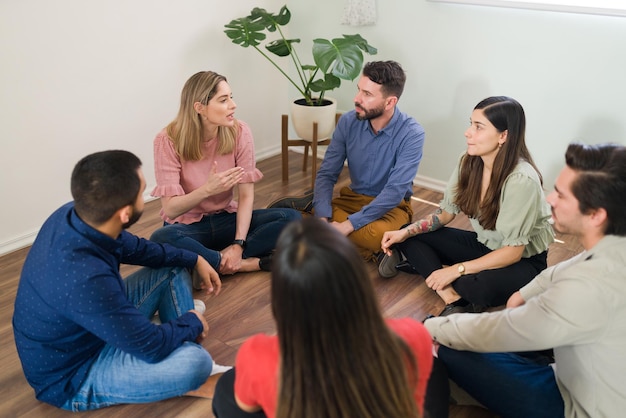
{"points": [[511, 385], [118, 377], [215, 232]]}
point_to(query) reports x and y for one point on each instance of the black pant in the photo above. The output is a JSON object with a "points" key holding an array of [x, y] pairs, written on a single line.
{"points": [[435, 404], [224, 404], [437, 401], [447, 246]]}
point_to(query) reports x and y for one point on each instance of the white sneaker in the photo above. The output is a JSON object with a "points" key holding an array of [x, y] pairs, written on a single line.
{"points": [[218, 368], [199, 306]]}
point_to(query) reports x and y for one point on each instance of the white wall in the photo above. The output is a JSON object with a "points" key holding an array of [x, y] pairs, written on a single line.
{"points": [[567, 70], [79, 76]]}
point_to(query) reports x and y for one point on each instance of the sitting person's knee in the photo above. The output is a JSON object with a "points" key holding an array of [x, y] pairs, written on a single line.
{"points": [[161, 235], [197, 364], [292, 215]]}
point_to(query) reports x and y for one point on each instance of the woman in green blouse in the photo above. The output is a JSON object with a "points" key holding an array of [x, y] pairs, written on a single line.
{"points": [[497, 185]]}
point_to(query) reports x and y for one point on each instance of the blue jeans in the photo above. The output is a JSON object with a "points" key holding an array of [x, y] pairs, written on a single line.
{"points": [[509, 384], [215, 232], [117, 377]]}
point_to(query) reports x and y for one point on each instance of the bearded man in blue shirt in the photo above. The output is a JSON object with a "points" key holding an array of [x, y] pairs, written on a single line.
{"points": [[83, 334], [383, 148]]}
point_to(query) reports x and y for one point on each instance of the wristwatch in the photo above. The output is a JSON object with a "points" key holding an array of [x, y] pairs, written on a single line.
{"points": [[241, 243], [461, 269]]}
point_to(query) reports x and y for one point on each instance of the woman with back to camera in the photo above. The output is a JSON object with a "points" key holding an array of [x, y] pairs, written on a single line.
{"points": [[200, 158], [334, 355], [497, 185]]}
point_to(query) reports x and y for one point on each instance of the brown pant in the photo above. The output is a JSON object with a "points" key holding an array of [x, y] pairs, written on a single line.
{"points": [[368, 238]]}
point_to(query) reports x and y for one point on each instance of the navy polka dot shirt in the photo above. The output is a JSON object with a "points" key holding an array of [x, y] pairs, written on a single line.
{"points": [[71, 301]]}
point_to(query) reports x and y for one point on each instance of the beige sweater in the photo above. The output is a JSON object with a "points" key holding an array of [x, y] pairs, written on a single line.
{"points": [[577, 307]]}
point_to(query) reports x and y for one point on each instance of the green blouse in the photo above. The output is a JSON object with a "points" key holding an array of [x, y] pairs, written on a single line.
{"points": [[524, 216]]}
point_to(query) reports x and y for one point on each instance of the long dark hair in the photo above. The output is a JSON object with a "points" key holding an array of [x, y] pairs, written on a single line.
{"points": [[338, 358], [505, 114]]}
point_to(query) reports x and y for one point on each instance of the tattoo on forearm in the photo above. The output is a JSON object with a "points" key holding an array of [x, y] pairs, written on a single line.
{"points": [[428, 224]]}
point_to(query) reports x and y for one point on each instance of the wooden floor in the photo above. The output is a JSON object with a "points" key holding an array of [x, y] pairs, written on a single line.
{"points": [[241, 310]]}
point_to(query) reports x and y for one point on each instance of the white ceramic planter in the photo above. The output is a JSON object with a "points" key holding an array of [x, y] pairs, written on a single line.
{"points": [[302, 118]]}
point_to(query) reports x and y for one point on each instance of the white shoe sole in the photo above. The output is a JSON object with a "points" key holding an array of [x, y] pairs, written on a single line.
{"points": [[199, 306], [218, 368]]}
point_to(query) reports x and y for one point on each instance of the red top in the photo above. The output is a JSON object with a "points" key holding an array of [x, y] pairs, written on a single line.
{"points": [[256, 379]]}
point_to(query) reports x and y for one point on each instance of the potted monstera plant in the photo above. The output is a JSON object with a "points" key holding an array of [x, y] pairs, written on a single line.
{"points": [[333, 60]]}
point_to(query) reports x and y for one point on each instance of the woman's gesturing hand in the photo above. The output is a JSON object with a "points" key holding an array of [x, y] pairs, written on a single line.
{"points": [[222, 181]]}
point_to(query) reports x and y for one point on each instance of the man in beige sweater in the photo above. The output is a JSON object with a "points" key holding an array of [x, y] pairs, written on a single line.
{"points": [[577, 308]]}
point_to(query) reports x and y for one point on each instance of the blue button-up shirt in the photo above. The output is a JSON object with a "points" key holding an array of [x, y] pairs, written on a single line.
{"points": [[71, 301], [382, 165]]}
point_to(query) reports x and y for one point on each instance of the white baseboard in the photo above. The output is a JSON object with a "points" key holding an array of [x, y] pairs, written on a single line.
{"points": [[422, 181], [267, 153], [18, 243], [430, 183], [26, 240]]}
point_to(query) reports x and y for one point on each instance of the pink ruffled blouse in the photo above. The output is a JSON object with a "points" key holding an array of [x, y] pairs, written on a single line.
{"points": [[177, 177]]}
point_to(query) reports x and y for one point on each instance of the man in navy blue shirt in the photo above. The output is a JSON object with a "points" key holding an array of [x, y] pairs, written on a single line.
{"points": [[383, 148], [83, 334]]}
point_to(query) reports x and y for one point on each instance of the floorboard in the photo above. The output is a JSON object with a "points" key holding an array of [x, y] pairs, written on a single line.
{"points": [[242, 309]]}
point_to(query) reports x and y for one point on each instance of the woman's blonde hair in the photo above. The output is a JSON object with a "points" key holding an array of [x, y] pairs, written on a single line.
{"points": [[186, 129]]}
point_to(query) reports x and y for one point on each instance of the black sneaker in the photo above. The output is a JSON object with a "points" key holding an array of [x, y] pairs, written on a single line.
{"points": [[265, 262], [428, 317], [452, 309], [475, 308], [458, 306], [387, 264], [301, 203], [406, 267]]}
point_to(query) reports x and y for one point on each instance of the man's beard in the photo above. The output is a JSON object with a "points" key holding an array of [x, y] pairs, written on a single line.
{"points": [[133, 218], [371, 113]]}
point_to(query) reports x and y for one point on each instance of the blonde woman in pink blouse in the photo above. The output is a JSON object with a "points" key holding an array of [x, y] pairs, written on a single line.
{"points": [[200, 158]]}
